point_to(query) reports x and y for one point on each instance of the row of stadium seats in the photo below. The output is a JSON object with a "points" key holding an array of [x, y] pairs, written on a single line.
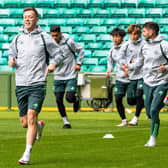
{"points": [[83, 3], [85, 22], [89, 13]]}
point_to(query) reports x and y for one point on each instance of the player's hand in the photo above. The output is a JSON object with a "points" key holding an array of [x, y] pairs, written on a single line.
{"points": [[124, 67], [108, 74], [12, 62], [162, 68], [51, 68], [77, 67]]}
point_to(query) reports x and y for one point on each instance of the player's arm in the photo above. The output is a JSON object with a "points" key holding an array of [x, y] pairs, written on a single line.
{"points": [[77, 48], [12, 53]]}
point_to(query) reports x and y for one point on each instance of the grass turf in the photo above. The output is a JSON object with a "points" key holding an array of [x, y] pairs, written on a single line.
{"points": [[83, 145]]}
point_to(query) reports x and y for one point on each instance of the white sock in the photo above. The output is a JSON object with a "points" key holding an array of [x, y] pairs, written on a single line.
{"points": [[152, 139], [124, 120], [39, 125], [28, 149], [65, 120]]}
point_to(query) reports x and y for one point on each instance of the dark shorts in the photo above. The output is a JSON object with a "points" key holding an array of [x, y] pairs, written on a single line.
{"points": [[30, 97], [123, 88], [69, 85], [135, 85]]}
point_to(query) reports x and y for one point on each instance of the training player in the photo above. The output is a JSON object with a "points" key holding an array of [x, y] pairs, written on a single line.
{"points": [[27, 53], [65, 74]]}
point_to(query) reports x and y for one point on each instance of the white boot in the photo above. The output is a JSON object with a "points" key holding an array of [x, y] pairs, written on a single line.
{"points": [[134, 121], [151, 142], [123, 123]]}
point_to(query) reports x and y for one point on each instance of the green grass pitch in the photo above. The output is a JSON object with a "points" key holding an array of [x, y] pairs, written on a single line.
{"points": [[83, 146]]}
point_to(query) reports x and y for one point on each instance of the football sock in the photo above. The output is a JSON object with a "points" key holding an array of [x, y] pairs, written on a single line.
{"points": [[65, 120]]}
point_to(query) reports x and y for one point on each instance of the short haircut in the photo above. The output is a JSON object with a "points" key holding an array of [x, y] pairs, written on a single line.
{"points": [[152, 25], [31, 9], [55, 28], [118, 31], [134, 28]]}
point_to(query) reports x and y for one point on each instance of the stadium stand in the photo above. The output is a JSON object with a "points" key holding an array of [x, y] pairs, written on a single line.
{"points": [[87, 21]]}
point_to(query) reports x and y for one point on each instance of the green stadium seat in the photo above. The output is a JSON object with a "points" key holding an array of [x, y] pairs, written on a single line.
{"points": [[66, 29], [79, 3], [0, 53], [104, 38], [16, 13], [81, 29], [161, 3], [95, 3], [129, 3], [4, 46], [126, 38], [162, 21], [141, 21], [99, 53], [28, 3], [93, 22], [88, 53], [110, 22], [146, 3], [115, 12], [11, 30], [99, 68], [165, 12], [86, 13], [4, 13], [153, 12], [11, 3], [101, 13], [1, 29], [62, 3], [164, 29], [3, 38], [3, 61], [87, 38], [46, 29], [107, 45], [7, 22], [99, 29], [11, 37], [103, 61], [45, 3], [52, 21], [70, 13], [82, 44], [75, 37], [5, 53], [52, 13], [84, 68], [90, 61], [2, 4], [112, 3], [94, 46], [75, 22], [126, 21], [136, 13]]}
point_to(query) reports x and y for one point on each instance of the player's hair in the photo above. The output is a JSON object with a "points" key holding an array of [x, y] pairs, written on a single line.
{"points": [[152, 25], [134, 28], [55, 28], [118, 31], [31, 9]]}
